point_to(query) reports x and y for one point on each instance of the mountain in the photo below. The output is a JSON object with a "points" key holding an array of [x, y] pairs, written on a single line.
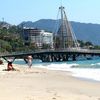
{"points": [[4, 24], [45, 24], [83, 31]]}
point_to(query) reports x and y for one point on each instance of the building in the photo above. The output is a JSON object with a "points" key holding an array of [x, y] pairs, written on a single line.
{"points": [[47, 38], [37, 36]]}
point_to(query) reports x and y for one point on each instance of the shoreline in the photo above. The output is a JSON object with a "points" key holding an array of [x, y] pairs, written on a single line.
{"points": [[22, 65], [44, 84], [19, 66]]}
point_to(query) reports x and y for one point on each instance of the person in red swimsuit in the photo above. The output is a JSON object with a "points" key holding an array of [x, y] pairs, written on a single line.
{"points": [[9, 65]]}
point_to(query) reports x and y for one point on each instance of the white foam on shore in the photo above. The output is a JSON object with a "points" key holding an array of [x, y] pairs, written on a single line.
{"points": [[63, 67], [86, 73], [90, 73]]}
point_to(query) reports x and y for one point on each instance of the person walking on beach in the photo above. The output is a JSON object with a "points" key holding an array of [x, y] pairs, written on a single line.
{"points": [[29, 61]]}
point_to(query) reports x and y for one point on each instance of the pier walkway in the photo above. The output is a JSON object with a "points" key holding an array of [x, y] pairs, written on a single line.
{"points": [[51, 55]]}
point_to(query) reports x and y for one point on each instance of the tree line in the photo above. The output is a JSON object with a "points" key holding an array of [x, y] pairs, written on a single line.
{"points": [[11, 40]]}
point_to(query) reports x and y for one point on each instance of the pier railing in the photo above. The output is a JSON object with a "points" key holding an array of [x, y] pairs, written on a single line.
{"points": [[68, 50]]}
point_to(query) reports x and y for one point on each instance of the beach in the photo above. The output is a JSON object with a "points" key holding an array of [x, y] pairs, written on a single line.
{"points": [[43, 84]]}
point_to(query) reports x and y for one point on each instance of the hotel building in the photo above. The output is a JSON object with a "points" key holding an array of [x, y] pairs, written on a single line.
{"points": [[37, 36]]}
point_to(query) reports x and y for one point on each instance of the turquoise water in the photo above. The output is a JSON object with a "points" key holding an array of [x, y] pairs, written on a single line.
{"points": [[87, 63], [86, 69], [95, 63]]}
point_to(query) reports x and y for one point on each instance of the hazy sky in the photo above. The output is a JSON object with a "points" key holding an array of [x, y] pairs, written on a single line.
{"points": [[16, 11]]}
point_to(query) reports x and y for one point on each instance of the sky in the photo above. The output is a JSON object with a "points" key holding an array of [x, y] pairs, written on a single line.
{"points": [[17, 11]]}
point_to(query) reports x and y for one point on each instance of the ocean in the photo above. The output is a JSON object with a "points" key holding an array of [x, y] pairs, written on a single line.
{"points": [[83, 69]]}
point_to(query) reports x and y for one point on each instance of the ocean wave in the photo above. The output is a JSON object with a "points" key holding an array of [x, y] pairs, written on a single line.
{"points": [[81, 69], [93, 74], [86, 73]]}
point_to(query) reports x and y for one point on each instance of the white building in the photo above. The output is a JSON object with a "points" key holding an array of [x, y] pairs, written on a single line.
{"points": [[39, 37], [47, 38]]}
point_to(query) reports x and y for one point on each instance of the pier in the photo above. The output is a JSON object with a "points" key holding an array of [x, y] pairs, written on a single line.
{"points": [[56, 55]]}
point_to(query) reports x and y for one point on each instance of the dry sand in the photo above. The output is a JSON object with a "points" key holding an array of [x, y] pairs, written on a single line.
{"points": [[43, 84]]}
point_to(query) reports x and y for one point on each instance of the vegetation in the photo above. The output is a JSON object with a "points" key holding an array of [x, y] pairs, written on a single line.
{"points": [[46, 46], [11, 41]]}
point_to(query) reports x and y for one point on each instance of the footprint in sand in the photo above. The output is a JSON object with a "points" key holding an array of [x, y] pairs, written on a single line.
{"points": [[29, 98], [54, 98]]}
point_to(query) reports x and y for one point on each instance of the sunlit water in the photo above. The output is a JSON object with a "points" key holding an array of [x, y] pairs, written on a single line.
{"points": [[86, 69]]}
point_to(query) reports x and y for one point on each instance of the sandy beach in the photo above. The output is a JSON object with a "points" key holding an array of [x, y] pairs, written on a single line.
{"points": [[43, 84]]}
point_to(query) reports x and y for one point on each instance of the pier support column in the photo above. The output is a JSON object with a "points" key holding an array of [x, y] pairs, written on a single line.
{"points": [[67, 57], [74, 57]]}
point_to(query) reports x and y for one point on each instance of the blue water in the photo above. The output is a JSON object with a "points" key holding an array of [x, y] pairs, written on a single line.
{"points": [[95, 63], [86, 69]]}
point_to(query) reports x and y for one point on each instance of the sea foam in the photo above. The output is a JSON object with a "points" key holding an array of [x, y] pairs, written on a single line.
{"points": [[75, 69], [89, 69]]}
